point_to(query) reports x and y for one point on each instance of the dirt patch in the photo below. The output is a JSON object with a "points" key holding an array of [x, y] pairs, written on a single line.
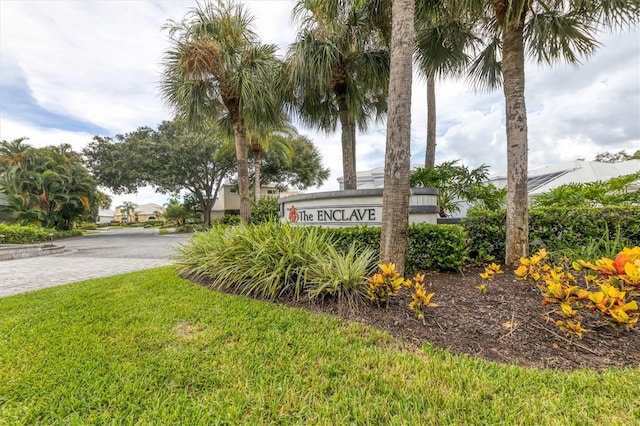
{"points": [[187, 331]]}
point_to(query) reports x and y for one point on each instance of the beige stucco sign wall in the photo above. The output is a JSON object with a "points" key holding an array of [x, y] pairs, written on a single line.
{"points": [[354, 207]]}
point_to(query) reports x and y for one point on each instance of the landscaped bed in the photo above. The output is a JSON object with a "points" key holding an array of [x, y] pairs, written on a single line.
{"points": [[505, 324]]}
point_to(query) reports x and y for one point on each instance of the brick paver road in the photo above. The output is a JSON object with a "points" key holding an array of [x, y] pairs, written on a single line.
{"points": [[109, 252]]}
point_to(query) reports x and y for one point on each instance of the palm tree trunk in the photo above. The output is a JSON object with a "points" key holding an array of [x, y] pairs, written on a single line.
{"points": [[240, 137], [517, 243], [430, 156], [257, 153], [348, 144], [395, 197]]}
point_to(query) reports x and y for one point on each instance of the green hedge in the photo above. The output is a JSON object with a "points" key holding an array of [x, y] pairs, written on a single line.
{"points": [[21, 234], [553, 228], [430, 247]]}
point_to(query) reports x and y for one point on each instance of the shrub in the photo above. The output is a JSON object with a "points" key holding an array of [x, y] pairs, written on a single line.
{"points": [[437, 247], [556, 229], [343, 276], [153, 223], [268, 260], [29, 234], [360, 237], [267, 209], [618, 280], [24, 234], [420, 299], [228, 219], [192, 227], [385, 284]]}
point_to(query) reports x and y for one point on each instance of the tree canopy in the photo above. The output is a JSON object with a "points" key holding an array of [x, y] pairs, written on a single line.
{"points": [[338, 68], [301, 171], [171, 158]]}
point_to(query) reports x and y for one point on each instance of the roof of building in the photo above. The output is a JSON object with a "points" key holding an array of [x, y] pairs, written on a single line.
{"points": [[544, 179], [541, 179], [149, 209]]}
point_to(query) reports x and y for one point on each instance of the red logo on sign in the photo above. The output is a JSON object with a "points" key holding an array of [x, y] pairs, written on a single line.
{"points": [[293, 214]]}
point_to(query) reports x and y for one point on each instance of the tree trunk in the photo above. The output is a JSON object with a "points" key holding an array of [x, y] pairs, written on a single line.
{"points": [[257, 153], [206, 210], [207, 205], [240, 136], [395, 197], [348, 144], [517, 243], [430, 156]]}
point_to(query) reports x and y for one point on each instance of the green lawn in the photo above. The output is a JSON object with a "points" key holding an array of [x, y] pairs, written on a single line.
{"points": [[151, 348]]}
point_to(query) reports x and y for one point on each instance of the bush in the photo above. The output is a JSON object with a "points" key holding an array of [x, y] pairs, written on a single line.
{"points": [[267, 209], [486, 234], [193, 227], [228, 219], [555, 229], [341, 276], [268, 260], [152, 223], [21, 234], [439, 247], [29, 234], [430, 247]]}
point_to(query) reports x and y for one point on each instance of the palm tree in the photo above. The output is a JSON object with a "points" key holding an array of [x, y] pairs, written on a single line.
{"points": [[548, 31], [216, 65], [395, 197], [443, 44], [262, 140], [127, 208], [13, 153], [48, 186], [338, 68]]}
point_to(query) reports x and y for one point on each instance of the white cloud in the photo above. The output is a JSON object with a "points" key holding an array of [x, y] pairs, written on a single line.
{"points": [[40, 137]]}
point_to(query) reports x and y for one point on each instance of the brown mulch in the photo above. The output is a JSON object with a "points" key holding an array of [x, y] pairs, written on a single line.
{"points": [[507, 324]]}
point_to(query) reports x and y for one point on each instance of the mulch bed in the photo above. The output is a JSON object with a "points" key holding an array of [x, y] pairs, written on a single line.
{"points": [[507, 324]]}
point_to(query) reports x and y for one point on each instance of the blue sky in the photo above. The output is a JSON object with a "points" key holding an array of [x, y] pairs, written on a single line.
{"points": [[70, 70]]}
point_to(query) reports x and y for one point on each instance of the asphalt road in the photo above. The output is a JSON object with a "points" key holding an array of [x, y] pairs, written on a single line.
{"points": [[108, 252]]}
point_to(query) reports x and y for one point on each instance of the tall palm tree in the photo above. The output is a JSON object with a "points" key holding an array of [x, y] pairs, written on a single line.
{"points": [[548, 31], [444, 42], [216, 65], [339, 68], [395, 196]]}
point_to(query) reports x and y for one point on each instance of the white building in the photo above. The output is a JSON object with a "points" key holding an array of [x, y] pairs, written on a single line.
{"points": [[105, 216]]}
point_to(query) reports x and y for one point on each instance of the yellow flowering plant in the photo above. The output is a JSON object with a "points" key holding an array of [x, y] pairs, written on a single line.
{"points": [[385, 284]]}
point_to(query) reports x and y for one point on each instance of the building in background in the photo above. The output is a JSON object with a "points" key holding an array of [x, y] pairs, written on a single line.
{"points": [[544, 179], [141, 213]]}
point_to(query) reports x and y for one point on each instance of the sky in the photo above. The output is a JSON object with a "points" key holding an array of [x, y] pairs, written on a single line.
{"points": [[70, 70]]}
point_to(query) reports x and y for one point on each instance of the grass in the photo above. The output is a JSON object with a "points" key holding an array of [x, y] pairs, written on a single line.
{"points": [[151, 348]]}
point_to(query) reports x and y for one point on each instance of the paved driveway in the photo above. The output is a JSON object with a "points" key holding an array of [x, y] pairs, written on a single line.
{"points": [[109, 252]]}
